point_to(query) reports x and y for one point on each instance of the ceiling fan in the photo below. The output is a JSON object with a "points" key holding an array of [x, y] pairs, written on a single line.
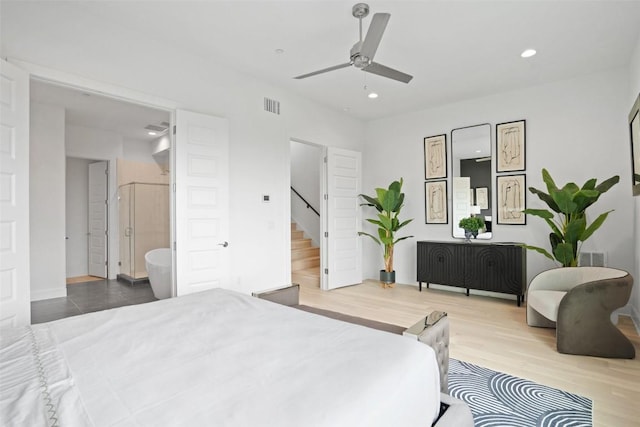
{"points": [[363, 51]]}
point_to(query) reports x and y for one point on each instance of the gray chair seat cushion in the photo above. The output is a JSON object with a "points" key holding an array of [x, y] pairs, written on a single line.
{"points": [[546, 302]]}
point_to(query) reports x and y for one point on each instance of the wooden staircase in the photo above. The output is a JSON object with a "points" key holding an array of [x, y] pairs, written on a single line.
{"points": [[305, 259]]}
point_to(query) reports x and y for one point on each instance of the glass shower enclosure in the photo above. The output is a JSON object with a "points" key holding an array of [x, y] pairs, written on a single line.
{"points": [[143, 226]]}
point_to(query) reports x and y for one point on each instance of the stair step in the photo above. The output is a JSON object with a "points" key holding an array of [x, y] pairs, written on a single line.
{"points": [[304, 253], [300, 244], [305, 259], [300, 264]]}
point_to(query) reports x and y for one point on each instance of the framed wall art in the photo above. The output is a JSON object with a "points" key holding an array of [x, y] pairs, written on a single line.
{"points": [[435, 157], [511, 198], [634, 133], [435, 202], [510, 146], [482, 197]]}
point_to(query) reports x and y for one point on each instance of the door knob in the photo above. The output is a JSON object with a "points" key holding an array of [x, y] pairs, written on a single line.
{"points": [[224, 244]]}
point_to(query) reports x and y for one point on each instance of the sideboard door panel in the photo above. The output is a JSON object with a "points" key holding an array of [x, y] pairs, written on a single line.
{"points": [[440, 263], [494, 268]]}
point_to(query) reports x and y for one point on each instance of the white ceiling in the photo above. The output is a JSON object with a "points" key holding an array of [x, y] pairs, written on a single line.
{"points": [[454, 49], [96, 111]]}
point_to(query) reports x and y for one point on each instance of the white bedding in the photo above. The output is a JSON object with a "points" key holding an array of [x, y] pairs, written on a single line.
{"points": [[216, 358]]}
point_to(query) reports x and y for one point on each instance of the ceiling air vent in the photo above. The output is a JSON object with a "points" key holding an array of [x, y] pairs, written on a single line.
{"points": [[272, 106], [156, 128]]}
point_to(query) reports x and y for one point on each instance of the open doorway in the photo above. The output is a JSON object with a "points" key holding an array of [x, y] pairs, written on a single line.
{"points": [[306, 219], [104, 144], [325, 216]]}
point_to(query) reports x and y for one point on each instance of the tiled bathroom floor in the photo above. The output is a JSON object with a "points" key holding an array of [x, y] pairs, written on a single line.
{"points": [[90, 296]]}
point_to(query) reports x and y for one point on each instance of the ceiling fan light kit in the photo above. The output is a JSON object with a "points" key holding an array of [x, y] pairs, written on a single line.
{"points": [[362, 53]]}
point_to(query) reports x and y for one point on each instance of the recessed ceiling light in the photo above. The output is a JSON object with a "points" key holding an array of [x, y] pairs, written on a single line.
{"points": [[347, 108], [279, 51], [372, 95], [152, 133], [528, 53]]}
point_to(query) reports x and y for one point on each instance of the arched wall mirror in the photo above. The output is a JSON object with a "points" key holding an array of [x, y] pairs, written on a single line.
{"points": [[471, 177]]}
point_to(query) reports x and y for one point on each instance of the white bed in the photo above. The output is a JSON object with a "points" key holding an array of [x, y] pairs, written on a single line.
{"points": [[217, 358]]}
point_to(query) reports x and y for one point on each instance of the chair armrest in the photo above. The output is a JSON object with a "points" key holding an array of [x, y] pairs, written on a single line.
{"points": [[566, 278]]}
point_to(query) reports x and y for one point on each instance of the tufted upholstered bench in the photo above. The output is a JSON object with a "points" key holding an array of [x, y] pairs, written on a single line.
{"points": [[432, 330]]}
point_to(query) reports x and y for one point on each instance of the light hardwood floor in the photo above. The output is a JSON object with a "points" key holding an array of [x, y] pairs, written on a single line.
{"points": [[493, 333]]}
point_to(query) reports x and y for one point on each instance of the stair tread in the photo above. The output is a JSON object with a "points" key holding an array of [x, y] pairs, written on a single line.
{"points": [[311, 271], [304, 253]]}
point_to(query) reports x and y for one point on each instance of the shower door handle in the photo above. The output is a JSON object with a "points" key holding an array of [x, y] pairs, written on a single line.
{"points": [[223, 244]]}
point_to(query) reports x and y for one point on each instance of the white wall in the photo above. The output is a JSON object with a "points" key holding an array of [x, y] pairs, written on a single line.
{"points": [[634, 73], [575, 128], [47, 202], [138, 150], [259, 141], [306, 160], [77, 216]]}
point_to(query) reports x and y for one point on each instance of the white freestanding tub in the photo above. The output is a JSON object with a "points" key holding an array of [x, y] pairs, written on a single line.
{"points": [[158, 263]]}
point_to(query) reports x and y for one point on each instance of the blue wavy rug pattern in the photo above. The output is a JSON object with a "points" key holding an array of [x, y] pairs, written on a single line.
{"points": [[497, 399]]}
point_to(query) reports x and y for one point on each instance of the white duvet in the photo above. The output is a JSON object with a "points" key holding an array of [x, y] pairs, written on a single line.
{"points": [[216, 358]]}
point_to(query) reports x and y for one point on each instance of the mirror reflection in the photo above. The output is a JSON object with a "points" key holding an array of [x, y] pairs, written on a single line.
{"points": [[472, 192]]}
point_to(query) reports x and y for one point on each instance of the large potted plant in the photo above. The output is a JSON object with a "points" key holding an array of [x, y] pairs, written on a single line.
{"points": [[388, 202], [567, 217]]}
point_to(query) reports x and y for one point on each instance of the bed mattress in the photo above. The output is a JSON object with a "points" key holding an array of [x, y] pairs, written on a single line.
{"points": [[216, 358]]}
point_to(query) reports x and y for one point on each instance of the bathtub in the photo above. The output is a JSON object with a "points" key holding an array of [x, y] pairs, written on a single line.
{"points": [[158, 263]]}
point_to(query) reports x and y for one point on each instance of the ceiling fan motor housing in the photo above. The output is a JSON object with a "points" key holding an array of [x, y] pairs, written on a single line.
{"points": [[358, 61]]}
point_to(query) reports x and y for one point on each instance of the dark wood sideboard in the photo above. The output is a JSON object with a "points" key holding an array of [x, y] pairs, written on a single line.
{"points": [[494, 267]]}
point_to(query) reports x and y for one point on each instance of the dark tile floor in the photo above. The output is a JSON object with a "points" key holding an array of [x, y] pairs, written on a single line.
{"points": [[90, 296]]}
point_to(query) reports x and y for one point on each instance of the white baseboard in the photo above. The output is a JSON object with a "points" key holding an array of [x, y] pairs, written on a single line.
{"points": [[48, 294]]}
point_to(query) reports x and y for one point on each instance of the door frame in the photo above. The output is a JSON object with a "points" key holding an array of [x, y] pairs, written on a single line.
{"points": [[72, 81], [110, 167]]}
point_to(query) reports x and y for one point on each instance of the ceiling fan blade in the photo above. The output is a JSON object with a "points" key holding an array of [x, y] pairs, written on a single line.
{"points": [[374, 35], [384, 71], [325, 70]]}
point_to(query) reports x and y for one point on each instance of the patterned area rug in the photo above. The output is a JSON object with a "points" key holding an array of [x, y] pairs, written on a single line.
{"points": [[497, 399]]}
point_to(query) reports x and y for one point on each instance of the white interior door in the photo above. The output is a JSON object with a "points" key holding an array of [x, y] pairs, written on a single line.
{"points": [[98, 196], [15, 306], [342, 254], [202, 202]]}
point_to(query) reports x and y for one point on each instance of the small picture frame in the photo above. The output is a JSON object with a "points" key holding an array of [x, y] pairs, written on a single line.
{"points": [[511, 146], [435, 157], [435, 202], [511, 192], [482, 197]]}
